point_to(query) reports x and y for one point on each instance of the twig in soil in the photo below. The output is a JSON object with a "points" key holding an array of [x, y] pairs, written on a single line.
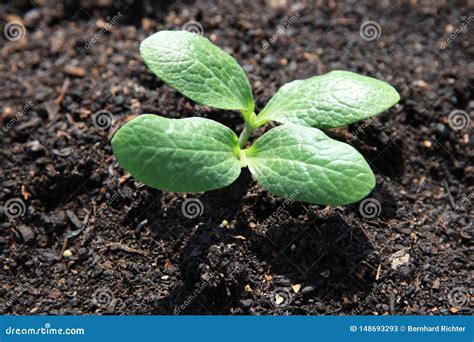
{"points": [[63, 248], [367, 236], [379, 269], [71, 120], [126, 248], [63, 92], [451, 200], [53, 111]]}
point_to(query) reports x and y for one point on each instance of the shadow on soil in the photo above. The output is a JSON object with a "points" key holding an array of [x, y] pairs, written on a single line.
{"points": [[329, 256]]}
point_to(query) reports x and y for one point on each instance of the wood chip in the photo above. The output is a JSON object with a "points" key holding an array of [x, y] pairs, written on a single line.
{"points": [[127, 248], [124, 178], [421, 84], [345, 21], [13, 17], [278, 299], [399, 258], [147, 24], [24, 232], [55, 294], [277, 4], [25, 192], [312, 57], [296, 288], [75, 71]]}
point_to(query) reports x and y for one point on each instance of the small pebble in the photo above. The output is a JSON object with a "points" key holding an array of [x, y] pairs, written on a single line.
{"points": [[73, 219], [442, 129], [245, 303], [32, 18], [307, 289], [67, 254]]}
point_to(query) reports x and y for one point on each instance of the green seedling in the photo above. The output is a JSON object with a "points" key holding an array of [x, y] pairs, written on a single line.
{"points": [[295, 160]]}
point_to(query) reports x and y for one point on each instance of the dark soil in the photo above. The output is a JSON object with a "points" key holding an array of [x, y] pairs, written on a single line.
{"points": [[133, 250]]}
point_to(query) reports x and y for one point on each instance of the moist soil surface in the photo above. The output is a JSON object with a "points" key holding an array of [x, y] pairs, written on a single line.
{"points": [[84, 237]]}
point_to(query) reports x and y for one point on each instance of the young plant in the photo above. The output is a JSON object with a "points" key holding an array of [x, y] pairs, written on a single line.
{"points": [[294, 160]]}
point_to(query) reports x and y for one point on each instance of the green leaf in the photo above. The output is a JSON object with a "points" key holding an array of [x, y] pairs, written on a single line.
{"points": [[184, 155], [198, 69], [332, 100], [304, 164]]}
